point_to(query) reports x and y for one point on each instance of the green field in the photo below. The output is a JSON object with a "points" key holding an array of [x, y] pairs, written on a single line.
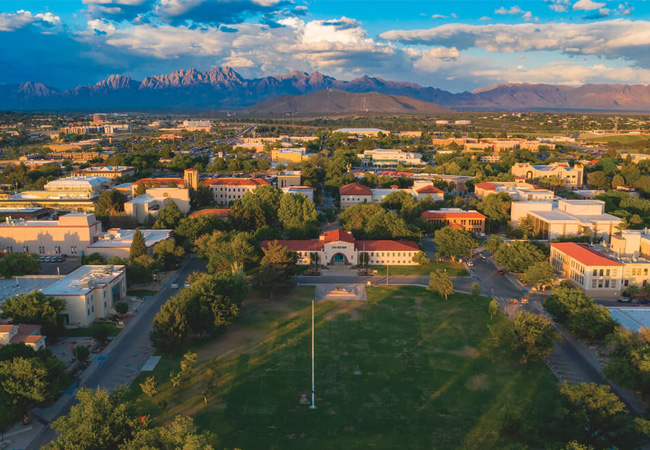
{"points": [[623, 139], [452, 268], [428, 377], [141, 292]]}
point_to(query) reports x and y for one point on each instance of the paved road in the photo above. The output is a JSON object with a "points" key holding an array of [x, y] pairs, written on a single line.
{"points": [[123, 358]]}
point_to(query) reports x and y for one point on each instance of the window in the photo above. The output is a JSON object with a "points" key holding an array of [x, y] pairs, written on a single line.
{"points": [[613, 285], [57, 250], [607, 273], [10, 249], [41, 249], [606, 283], [601, 272], [73, 249], [595, 272], [593, 283], [25, 249]]}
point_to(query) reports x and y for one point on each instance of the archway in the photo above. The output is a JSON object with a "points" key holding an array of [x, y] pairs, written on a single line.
{"points": [[339, 259]]}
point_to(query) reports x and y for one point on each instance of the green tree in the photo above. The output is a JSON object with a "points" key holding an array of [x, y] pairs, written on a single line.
{"points": [[224, 249], [180, 434], [34, 308], [98, 421], [121, 308], [277, 268], [493, 243], [17, 264], [100, 331], [297, 214], [189, 229], [496, 207], [518, 256], [452, 243], [138, 245], [168, 253], [421, 259], [440, 283], [81, 352], [169, 216], [598, 179], [475, 291], [534, 335], [371, 221], [110, 203], [148, 387], [24, 381], [170, 328], [539, 274], [493, 308]]}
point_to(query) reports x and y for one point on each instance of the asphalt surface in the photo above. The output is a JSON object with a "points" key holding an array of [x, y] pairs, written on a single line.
{"points": [[126, 354]]}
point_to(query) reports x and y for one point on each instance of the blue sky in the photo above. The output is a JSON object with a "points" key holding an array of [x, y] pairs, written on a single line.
{"points": [[459, 45]]}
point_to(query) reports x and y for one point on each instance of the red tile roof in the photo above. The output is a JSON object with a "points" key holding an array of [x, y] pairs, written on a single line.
{"points": [[355, 189], [6, 328], [160, 181], [386, 246], [453, 215], [312, 245], [337, 235], [235, 181], [223, 212], [584, 254], [429, 190], [485, 186]]}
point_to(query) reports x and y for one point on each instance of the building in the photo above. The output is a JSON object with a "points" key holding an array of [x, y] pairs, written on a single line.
{"points": [[99, 118], [72, 234], [90, 293], [288, 155], [389, 157], [355, 193], [567, 218], [197, 125], [517, 190], [288, 178], [228, 190], [572, 176], [30, 335], [362, 131], [154, 200], [67, 194], [26, 213], [109, 172], [307, 191], [472, 221], [338, 247]]}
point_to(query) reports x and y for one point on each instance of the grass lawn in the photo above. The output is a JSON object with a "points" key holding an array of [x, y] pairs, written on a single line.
{"points": [[85, 332], [428, 376], [141, 292], [454, 269]]}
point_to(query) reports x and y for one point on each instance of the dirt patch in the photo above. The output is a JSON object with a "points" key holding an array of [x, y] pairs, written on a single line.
{"points": [[478, 383], [233, 341], [468, 351], [348, 311]]}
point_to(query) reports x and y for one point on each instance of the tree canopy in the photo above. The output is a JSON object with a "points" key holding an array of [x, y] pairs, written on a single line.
{"points": [[453, 243], [17, 264], [518, 256]]}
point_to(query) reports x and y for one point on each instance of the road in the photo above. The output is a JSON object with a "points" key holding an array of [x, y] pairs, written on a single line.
{"points": [[120, 363]]}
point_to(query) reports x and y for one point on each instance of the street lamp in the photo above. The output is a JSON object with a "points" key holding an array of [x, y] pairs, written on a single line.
{"points": [[313, 385]]}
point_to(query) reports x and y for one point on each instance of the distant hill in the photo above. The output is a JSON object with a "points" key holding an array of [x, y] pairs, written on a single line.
{"points": [[223, 88], [331, 101]]}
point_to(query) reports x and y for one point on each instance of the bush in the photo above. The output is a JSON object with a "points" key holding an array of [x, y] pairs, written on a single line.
{"points": [[121, 308]]}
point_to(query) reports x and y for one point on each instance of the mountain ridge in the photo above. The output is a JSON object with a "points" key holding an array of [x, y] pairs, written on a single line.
{"points": [[224, 88]]}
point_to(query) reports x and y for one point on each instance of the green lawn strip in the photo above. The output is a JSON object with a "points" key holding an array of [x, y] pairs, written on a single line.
{"points": [[85, 332], [430, 377], [454, 269], [141, 292]]}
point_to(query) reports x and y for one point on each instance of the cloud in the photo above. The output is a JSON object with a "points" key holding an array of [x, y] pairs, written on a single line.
{"points": [[558, 6], [438, 16], [513, 11], [218, 11], [587, 5], [22, 18], [118, 9], [613, 39], [484, 18], [624, 9]]}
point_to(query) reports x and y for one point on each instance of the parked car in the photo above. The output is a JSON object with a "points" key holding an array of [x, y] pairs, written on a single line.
{"points": [[59, 259], [624, 300], [643, 302], [174, 285], [501, 272]]}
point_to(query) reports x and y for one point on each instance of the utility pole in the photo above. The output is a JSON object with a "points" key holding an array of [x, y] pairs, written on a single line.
{"points": [[386, 274], [313, 385]]}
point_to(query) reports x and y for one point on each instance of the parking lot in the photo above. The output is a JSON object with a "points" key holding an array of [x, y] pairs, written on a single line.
{"points": [[65, 267]]}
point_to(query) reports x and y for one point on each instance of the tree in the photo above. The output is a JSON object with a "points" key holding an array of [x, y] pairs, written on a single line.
{"points": [[496, 207], [169, 216], [539, 274], [440, 283], [180, 434], [138, 245], [24, 381], [18, 264], [224, 249], [525, 228], [81, 352], [148, 387], [189, 229], [534, 335], [170, 328], [475, 291], [493, 243], [452, 243], [371, 221], [121, 308], [421, 259], [34, 308], [98, 421], [493, 308], [297, 214], [110, 203], [277, 268], [517, 256], [100, 331], [598, 179], [188, 363], [94, 259], [168, 253]]}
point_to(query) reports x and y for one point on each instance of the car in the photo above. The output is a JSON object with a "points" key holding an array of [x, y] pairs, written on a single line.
{"points": [[624, 300], [524, 301], [643, 302], [470, 264], [501, 272], [174, 286], [42, 259], [186, 285], [47, 259], [59, 259]]}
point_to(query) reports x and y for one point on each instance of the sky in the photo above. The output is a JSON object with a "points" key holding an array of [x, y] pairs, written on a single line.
{"points": [[454, 45]]}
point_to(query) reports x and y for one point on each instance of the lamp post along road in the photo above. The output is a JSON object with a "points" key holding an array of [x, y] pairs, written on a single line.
{"points": [[313, 385]]}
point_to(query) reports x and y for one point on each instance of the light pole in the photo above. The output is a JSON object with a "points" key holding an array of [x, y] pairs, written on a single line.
{"points": [[386, 274], [313, 385]]}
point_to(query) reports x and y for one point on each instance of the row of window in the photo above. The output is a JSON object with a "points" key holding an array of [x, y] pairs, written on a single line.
{"points": [[607, 284], [605, 272], [41, 249]]}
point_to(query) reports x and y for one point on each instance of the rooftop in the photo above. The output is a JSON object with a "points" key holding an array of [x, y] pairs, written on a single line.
{"points": [[584, 254], [116, 237], [84, 280], [337, 235], [355, 189], [24, 285], [361, 130], [452, 214], [236, 181]]}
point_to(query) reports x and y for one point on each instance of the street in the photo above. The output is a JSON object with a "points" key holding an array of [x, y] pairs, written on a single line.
{"points": [[121, 361]]}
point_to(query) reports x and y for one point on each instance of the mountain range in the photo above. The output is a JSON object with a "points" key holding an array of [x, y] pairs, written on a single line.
{"points": [[222, 88]]}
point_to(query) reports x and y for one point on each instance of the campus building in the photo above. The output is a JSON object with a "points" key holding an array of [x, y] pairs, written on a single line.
{"points": [[572, 176], [30, 335], [355, 193], [90, 293], [71, 234], [338, 247], [154, 200], [472, 221], [516, 189], [288, 155], [390, 157], [109, 172], [228, 190]]}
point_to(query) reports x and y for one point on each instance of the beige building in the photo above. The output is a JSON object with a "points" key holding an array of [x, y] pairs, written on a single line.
{"points": [[355, 193], [288, 178], [90, 293], [109, 172], [154, 200], [71, 234], [228, 190], [30, 335], [516, 189], [572, 176], [288, 155], [383, 157]]}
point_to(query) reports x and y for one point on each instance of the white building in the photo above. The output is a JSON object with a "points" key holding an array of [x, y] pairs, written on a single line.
{"points": [[154, 200], [228, 190], [391, 157], [362, 131], [354, 193], [90, 292], [517, 190], [307, 191]]}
